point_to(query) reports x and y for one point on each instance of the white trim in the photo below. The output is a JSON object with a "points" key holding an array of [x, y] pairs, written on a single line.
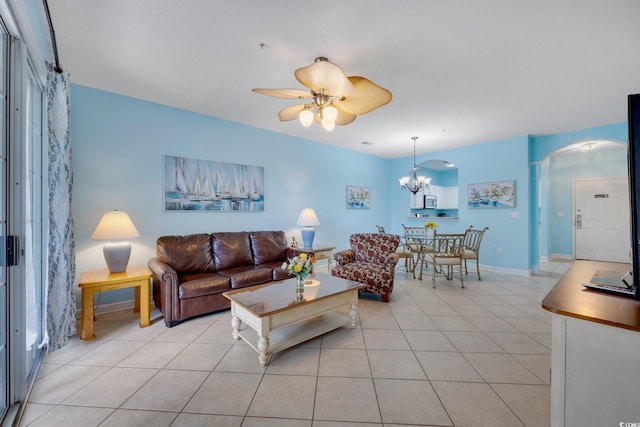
{"points": [[514, 271], [554, 257], [16, 17]]}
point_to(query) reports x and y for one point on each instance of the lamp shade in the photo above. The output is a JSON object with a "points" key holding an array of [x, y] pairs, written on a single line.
{"points": [[115, 225], [307, 218]]}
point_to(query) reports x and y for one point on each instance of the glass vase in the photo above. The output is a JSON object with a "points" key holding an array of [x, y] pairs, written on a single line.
{"points": [[299, 286]]}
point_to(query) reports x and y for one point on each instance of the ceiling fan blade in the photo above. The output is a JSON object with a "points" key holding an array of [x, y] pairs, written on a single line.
{"points": [[285, 93], [344, 118], [290, 113], [327, 76], [367, 97]]}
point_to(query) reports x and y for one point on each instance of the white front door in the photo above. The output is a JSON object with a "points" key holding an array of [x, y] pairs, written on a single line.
{"points": [[601, 219]]}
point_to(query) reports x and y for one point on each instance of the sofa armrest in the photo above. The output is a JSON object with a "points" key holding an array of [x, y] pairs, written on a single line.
{"points": [[166, 281], [344, 257]]}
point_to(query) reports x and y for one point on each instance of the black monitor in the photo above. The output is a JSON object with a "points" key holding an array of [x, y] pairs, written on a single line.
{"points": [[634, 187]]}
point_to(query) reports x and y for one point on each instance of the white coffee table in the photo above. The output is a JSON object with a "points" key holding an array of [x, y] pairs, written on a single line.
{"points": [[278, 321]]}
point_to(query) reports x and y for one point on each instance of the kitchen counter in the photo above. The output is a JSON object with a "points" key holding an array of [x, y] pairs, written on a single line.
{"points": [[595, 350]]}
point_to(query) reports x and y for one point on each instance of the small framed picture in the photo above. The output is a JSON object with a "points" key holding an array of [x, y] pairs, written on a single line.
{"points": [[358, 197]]}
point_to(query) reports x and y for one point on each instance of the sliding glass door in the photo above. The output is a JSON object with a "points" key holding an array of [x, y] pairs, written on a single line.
{"points": [[22, 235], [31, 211], [4, 308]]}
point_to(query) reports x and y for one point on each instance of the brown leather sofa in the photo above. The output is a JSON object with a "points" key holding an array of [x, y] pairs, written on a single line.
{"points": [[190, 273]]}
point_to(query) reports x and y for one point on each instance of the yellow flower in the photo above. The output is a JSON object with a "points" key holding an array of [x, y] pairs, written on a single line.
{"points": [[430, 224], [297, 268], [303, 256]]}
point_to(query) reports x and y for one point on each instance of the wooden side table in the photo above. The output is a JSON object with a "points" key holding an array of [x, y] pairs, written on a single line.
{"points": [[101, 280], [319, 252]]}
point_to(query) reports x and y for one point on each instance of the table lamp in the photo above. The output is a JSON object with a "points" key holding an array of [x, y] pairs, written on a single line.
{"points": [[307, 220], [116, 225]]}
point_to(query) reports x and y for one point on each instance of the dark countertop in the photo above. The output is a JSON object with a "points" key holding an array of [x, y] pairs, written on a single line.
{"points": [[569, 298]]}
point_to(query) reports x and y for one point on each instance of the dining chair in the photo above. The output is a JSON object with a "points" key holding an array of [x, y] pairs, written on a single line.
{"points": [[471, 247], [447, 252], [419, 244], [402, 251]]}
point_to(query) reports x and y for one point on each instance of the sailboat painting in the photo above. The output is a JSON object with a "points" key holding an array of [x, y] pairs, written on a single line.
{"points": [[358, 197], [205, 185]]}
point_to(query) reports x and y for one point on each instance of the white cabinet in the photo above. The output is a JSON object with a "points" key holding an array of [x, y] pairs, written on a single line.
{"points": [[416, 200], [440, 195], [451, 196], [447, 197]]}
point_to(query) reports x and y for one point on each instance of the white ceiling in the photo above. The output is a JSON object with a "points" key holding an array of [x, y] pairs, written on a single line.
{"points": [[461, 72]]}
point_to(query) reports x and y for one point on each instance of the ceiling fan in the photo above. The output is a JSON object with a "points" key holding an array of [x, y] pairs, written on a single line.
{"points": [[335, 98]]}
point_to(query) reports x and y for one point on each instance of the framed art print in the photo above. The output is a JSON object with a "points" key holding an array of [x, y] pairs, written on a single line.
{"points": [[206, 185], [496, 194], [358, 197]]}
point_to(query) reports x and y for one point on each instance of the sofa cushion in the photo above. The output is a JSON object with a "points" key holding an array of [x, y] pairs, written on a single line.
{"points": [[197, 285], [247, 276], [268, 246], [186, 254], [232, 249], [277, 273]]}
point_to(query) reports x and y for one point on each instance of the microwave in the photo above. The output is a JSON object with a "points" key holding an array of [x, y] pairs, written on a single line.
{"points": [[430, 201]]}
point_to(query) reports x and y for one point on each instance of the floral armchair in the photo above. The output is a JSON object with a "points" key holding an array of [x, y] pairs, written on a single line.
{"points": [[371, 260]]}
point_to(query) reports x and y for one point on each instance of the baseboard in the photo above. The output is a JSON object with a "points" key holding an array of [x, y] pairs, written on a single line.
{"points": [[110, 308], [553, 257], [513, 271]]}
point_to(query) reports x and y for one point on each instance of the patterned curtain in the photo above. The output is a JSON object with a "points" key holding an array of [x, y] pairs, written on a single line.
{"points": [[61, 294]]}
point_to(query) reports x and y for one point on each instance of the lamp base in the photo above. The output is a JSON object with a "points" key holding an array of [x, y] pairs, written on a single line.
{"points": [[308, 233], [117, 256]]}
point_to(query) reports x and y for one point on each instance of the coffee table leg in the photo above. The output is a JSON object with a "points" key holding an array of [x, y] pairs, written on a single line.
{"points": [[263, 347], [353, 311], [235, 324]]}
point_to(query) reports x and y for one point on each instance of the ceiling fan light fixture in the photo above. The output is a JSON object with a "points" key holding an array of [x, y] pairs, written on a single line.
{"points": [[306, 117], [329, 86], [330, 113], [328, 125]]}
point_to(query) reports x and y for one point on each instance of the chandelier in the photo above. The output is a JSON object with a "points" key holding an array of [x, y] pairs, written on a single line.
{"points": [[413, 182]]}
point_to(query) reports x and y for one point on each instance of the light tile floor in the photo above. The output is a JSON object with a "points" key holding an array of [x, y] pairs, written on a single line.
{"points": [[478, 356]]}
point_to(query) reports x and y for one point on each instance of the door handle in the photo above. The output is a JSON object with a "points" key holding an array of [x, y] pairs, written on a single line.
{"points": [[12, 250], [579, 221]]}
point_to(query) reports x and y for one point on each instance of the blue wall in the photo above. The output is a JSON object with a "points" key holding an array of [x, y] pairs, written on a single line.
{"points": [[542, 146], [550, 194], [118, 147], [493, 161], [119, 144]]}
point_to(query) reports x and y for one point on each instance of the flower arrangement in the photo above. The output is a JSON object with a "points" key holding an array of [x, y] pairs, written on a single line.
{"points": [[430, 224], [299, 266]]}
